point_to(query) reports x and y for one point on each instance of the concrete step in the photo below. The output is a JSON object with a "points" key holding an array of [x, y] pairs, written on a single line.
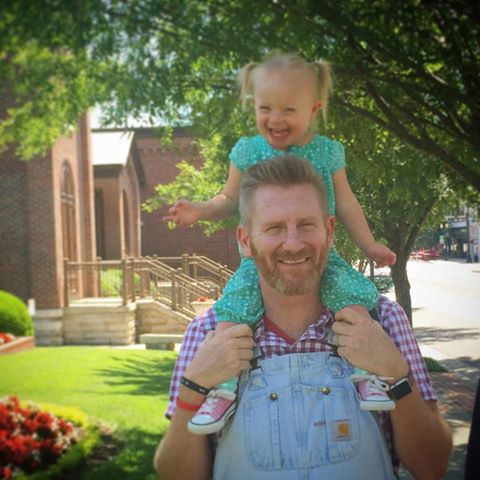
{"points": [[160, 341]]}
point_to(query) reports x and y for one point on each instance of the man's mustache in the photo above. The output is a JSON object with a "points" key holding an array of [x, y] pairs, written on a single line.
{"points": [[294, 257]]}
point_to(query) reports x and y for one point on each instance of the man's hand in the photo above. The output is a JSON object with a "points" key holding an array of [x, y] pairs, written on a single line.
{"points": [[183, 213], [364, 343], [221, 356]]}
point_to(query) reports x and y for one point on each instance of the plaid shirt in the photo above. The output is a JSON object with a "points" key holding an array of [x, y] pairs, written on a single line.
{"points": [[392, 318]]}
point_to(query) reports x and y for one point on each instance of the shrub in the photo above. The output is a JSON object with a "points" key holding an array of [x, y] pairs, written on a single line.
{"points": [[14, 316], [384, 283]]}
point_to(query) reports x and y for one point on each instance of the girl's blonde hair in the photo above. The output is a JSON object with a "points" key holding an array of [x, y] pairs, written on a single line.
{"points": [[275, 59]]}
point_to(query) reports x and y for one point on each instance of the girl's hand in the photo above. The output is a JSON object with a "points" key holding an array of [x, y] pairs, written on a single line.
{"points": [[183, 213], [381, 255]]}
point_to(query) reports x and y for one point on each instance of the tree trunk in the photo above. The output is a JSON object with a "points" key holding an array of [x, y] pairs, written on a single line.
{"points": [[402, 285]]}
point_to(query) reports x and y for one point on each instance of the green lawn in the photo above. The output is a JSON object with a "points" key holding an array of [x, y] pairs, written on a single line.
{"points": [[127, 389]]}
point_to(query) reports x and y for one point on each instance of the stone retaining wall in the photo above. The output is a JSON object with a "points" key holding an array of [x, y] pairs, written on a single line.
{"points": [[99, 325], [105, 323], [153, 317], [48, 327]]}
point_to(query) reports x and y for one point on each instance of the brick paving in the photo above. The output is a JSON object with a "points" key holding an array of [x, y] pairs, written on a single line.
{"points": [[456, 395]]}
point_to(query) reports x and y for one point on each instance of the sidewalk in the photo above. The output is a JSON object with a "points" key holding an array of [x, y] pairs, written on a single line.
{"points": [[446, 320], [456, 393]]}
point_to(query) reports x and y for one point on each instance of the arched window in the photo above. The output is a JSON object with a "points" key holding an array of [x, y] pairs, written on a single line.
{"points": [[68, 213], [126, 224]]}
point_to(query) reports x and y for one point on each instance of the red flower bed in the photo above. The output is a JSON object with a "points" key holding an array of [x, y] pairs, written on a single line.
{"points": [[6, 338], [30, 439]]}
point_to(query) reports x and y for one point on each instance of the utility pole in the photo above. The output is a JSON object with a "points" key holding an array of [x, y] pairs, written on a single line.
{"points": [[469, 258]]}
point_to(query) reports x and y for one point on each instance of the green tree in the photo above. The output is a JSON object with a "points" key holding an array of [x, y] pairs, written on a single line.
{"points": [[417, 60], [399, 188], [412, 70]]}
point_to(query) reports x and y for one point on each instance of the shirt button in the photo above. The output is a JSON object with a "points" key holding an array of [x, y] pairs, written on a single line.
{"points": [[274, 396], [325, 390]]}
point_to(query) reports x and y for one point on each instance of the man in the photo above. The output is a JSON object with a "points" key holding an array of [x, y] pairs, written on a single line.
{"points": [[297, 415]]}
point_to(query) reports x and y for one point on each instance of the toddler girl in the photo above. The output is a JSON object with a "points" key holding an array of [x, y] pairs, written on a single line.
{"points": [[287, 94]]}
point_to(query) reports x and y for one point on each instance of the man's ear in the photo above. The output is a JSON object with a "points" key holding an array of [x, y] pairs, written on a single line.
{"points": [[330, 224], [244, 240]]}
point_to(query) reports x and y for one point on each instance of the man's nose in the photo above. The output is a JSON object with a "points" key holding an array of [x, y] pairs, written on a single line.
{"points": [[293, 241]]}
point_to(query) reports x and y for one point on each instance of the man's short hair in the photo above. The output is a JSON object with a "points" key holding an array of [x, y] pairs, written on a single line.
{"points": [[281, 171]]}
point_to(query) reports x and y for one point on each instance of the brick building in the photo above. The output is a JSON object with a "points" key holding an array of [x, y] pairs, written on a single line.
{"points": [[83, 200], [159, 164], [46, 215]]}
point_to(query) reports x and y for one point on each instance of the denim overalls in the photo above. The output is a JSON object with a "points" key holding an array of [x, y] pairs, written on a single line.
{"points": [[298, 418]]}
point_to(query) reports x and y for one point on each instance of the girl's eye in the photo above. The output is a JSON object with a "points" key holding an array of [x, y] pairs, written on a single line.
{"points": [[290, 110], [264, 109]]}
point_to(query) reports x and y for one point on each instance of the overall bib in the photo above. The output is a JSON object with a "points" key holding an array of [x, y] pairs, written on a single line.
{"points": [[298, 418]]}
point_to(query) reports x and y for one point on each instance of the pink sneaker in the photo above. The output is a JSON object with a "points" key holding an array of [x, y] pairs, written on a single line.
{"points": [[372, 394], [214, 413]]}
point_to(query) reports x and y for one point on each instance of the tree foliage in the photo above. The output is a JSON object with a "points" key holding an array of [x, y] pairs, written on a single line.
{"points": [[407, 86], [417, 60], [399, 189]]}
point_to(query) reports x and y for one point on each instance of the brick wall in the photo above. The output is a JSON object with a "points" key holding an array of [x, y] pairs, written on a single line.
{"points": [[159, 164], [110, 229], [31, 249], [128, 182], [14, 246], [14, 254]]}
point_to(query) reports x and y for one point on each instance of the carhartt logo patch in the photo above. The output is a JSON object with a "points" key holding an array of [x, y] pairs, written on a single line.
{"points": [[341, 430]]}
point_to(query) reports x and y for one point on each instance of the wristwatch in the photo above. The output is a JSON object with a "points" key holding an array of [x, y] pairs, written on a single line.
{"points": [[401, 388]]}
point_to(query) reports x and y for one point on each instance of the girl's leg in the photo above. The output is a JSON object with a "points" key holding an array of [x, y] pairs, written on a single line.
{"points": [[241, 302], [344, 286]]}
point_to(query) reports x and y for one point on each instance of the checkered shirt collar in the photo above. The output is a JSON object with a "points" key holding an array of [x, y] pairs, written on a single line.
{"points": [[265, 338]]}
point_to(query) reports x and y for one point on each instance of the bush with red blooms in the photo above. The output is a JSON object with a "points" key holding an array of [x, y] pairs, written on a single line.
{"points": [[30, 439], [6, 338]]}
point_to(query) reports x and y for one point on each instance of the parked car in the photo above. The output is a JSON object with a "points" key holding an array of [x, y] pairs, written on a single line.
{"points": [[427, 254]]}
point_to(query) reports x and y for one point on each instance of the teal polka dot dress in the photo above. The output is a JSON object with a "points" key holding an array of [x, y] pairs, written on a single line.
{"points": [[341, 284]]}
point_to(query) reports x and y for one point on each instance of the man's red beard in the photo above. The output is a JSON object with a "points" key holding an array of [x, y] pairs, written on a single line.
{"points": [[298, 283]]}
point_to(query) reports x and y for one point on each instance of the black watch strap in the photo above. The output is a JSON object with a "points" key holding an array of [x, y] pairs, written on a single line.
{"points": [[400, 389]]}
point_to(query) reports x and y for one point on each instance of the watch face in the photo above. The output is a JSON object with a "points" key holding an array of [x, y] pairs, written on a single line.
{"points": [[401, 389]]}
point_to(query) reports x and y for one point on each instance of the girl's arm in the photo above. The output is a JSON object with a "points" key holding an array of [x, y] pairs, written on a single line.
{"points": [[221, 206], [351, 214]]}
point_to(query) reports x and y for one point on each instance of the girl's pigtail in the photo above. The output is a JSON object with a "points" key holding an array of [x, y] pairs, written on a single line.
{"points": [[245, 82], [325, 85]]}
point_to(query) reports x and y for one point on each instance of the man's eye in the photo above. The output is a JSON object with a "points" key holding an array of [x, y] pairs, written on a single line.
{"points": [[308, 227], [274, 229]]}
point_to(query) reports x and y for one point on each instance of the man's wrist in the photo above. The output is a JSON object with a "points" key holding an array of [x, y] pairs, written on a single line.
{"points": [[396, 372], [196, 387], [402, 387], [190, 396]]}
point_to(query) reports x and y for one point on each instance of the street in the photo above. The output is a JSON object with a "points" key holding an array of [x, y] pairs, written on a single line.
{"points": [[446, 309]]}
